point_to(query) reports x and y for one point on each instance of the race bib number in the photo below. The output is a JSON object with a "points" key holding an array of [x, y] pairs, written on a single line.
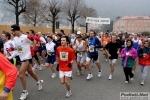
{"points": [[48, 52], [91, 49], [105, 42], [20, 49], [63, 56], [79, 54]]}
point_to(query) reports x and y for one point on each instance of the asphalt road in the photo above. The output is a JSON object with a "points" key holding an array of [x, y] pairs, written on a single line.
{"points": [[94, 89]]}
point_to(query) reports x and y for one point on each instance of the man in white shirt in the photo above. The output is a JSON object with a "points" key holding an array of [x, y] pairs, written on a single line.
{"points": [[22, 43], [9, 47]]}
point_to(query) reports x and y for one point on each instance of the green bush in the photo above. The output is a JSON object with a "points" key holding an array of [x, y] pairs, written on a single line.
{"points": [[146, 33]]}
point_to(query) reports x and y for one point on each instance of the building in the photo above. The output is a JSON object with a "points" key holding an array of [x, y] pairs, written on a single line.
{"points": [[132, 24]]}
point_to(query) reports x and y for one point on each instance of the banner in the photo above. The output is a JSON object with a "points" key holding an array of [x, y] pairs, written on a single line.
{"points": [[98, 20]]}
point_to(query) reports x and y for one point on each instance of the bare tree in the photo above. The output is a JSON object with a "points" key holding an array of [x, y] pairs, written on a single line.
{"points": [[73, 9], [52, 11], [33, 14], [19, 6]]}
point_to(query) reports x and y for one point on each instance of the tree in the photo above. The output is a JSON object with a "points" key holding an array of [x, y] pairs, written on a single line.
{"points": [[19, 6], [146, 33], [52, 10], [88, 12], [73, 10], [33, 14]]}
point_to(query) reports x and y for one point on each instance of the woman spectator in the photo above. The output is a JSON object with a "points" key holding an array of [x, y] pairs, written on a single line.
{"points": [[144, 60], [128, 54]]}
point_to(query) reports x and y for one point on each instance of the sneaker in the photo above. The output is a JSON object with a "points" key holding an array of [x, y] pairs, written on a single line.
{"points": [[53, 75], [126, 82], [71, 77], [40, 85], [23, 95], [27, 74], [79, 73], [110, 77], [35, 65], [89, 76], [132, 79], [142, 83], [40, 67], [68, 94], [99, 73]]}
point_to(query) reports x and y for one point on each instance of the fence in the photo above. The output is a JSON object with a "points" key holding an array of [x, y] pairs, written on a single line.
{"points": [[36, 29]]}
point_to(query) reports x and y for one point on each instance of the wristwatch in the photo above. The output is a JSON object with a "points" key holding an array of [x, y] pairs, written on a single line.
{"points": [[7, 90]]}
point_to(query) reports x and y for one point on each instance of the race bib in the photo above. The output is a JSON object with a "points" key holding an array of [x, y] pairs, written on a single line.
{"points": [[48, 52], [64, 56], [20, 49], [105, 42], [79, 54], [91, 49]]}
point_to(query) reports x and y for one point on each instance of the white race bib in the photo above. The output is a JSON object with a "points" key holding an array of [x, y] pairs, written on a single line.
{"points": [[79, 54], [91, 49], [64, 56]]}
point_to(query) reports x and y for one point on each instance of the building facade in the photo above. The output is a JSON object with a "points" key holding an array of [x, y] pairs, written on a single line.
{"points": [[132, 24]]}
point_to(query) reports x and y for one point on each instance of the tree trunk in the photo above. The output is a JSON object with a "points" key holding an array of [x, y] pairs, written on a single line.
{"points": [[35, 20], [53, 25], [86, 27], [17, 13], [73, 26]]}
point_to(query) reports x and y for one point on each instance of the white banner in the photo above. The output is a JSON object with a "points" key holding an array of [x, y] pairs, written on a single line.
{"points": [[98, 20]]}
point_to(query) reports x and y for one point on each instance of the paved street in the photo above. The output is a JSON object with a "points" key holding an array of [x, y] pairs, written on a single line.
{"points": [[94, 89]]}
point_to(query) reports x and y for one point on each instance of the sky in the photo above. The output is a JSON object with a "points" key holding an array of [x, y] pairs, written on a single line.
{"points": [[113, 8]]}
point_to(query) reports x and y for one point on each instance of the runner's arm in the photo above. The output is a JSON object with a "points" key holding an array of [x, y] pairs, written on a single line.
{"points": [[98, 44], [10, 71]]}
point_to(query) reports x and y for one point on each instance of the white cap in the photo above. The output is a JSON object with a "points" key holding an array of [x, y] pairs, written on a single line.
{"points": [[78, 32]]}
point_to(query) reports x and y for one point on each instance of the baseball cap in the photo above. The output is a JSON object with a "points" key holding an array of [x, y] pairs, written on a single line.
{"points": [[78, 32], [15, 28]]}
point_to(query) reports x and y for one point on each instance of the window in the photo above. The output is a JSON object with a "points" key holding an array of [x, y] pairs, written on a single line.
{"points": [[128, 28], [128, 24], [122, 26]]}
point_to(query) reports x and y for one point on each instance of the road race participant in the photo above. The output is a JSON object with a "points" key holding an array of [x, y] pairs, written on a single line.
{"points": [[66, 57], [8, 77], [92, 54], [136, 45], [22, 43], [112, 49], [9, 47], [81, 53], [51, 52], [105, 40], [129, 54], [144, 60]]}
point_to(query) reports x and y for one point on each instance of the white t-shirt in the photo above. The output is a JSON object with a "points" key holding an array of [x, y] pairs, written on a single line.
{"points": [[9, 54], [50, 47], [22, 44], [42, 39]]}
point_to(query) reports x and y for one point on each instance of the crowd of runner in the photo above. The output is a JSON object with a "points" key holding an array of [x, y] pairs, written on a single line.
{"points": [[62, 50]]}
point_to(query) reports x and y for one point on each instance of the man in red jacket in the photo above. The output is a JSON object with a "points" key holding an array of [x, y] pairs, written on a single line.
{"points": [[8, 76]]}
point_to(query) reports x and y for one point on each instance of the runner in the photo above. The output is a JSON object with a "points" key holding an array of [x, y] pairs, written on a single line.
{"points": [[136, 45], [35, 55], [129, 54], [66, 57], [8, 77], [41, 49], [22, 42], [51, 51], [105, 40], [81, 53], [9, 47], [144, 60], [112, 49], [92, 53]]}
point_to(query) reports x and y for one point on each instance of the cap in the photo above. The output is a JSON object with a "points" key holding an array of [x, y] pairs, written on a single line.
{"points": [[78, 32], [15, 28]]}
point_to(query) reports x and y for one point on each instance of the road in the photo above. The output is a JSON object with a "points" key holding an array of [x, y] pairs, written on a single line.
{"points": [[94, 89]]}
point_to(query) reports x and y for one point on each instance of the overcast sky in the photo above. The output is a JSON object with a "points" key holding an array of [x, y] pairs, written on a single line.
{"points": [[113, 8]]}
